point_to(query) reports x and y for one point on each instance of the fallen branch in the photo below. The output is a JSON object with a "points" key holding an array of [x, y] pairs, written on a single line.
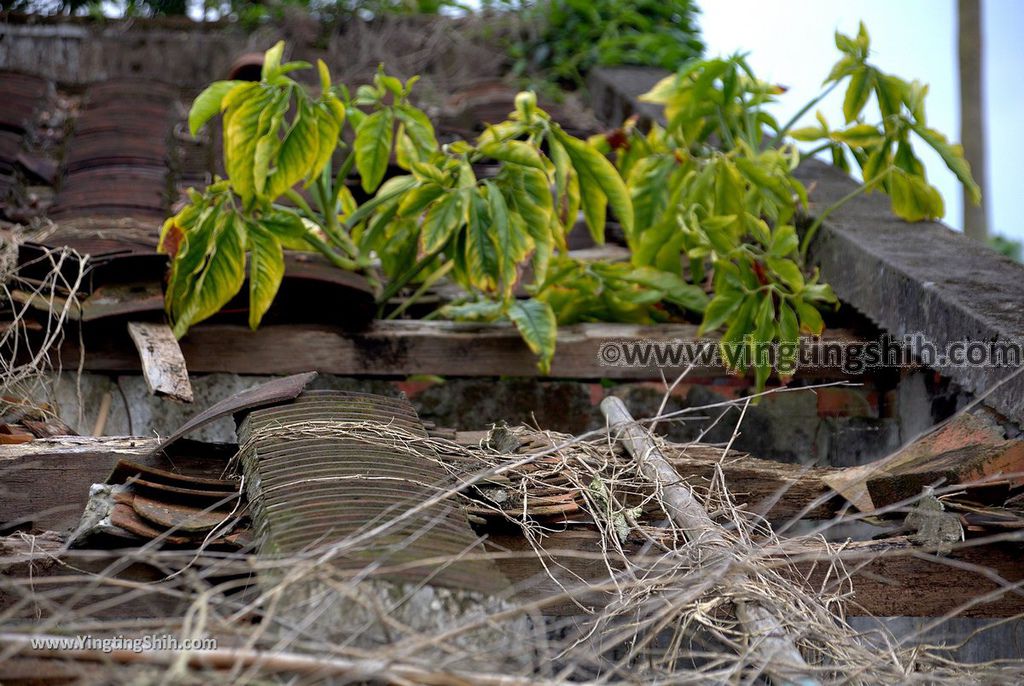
{"points": [[783, 661]]}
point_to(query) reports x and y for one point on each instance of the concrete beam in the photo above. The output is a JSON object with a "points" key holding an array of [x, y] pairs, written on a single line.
{"points": [[921, 277]]}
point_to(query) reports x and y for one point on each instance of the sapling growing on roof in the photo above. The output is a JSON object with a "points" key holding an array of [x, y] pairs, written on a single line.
{"points": [[708, 204]]}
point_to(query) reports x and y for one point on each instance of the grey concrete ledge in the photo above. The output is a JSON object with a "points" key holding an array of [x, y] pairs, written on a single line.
{"points": [[922, 277], [907, 278]]}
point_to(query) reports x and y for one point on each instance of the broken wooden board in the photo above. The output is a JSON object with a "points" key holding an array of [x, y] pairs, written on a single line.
{"points": [[163, 365], [891, 578], [404, 348], [775, 490], [965, 449], [111, 300], [46, 483]]}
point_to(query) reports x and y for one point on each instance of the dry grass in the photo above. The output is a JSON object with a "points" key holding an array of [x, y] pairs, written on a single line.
{"points": [[653, 607], [662, 615]]}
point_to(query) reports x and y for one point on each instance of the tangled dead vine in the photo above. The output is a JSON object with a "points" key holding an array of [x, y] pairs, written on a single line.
{"points": [[657, 611]]}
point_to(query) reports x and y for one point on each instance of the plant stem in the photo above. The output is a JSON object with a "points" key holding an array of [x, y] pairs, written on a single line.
{"points": [[814, 151], [804, 110], [438, 274], [809, 236], [328, 207], [299, 201], [328, 252], [346, 167], [394, 286]]}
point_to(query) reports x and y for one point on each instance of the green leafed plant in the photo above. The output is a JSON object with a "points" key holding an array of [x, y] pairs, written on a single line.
{"points": [[715, 197], [707, 204], [437, 220], [884, 149], [576, 35]]}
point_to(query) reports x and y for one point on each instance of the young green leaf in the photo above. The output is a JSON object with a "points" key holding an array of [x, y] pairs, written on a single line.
{"points": [[266, 270], [810, 318], [784, 241], [515, 152], [788, 271], [208, 103], [720, 309], [443, 219], [272, 61], [373, 147], [536, 323]]}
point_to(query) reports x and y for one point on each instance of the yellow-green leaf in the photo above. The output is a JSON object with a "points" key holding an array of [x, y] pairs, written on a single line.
{"points": [[443, 218], [536, 323], [788, 271], [266, 269], [241, 121], [298, 155], [857, 93], [516, 152], [208, 103], [913, 199], [860, 135], [953, 156], [810, 318], [272, 61], [373, 148], [482, 254], [219, 279], [594, 169]]}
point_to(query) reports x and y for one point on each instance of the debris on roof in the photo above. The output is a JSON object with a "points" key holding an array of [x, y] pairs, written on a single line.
{"points": [[970, 449], [163, 365], [141, 503]]}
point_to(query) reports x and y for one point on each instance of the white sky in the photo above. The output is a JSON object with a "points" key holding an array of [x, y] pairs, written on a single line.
{"points": [[791, 42]]}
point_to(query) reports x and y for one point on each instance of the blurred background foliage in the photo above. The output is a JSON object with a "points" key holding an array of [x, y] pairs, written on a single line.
{"points": [[547, 41]]}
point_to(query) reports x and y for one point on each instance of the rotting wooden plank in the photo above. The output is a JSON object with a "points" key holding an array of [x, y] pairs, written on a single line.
{"points": [[163, 365], [891, 578], [46, 482], [967, 447], [776, 490], [403, 348]]}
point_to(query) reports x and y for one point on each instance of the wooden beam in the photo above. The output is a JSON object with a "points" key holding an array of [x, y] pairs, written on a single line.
{"points": [[404, 348], [776, 490], [46, 483], [892, 578]]}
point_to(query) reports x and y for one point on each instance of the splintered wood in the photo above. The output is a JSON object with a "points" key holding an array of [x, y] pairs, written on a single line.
{"points": [[163, 365]]}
